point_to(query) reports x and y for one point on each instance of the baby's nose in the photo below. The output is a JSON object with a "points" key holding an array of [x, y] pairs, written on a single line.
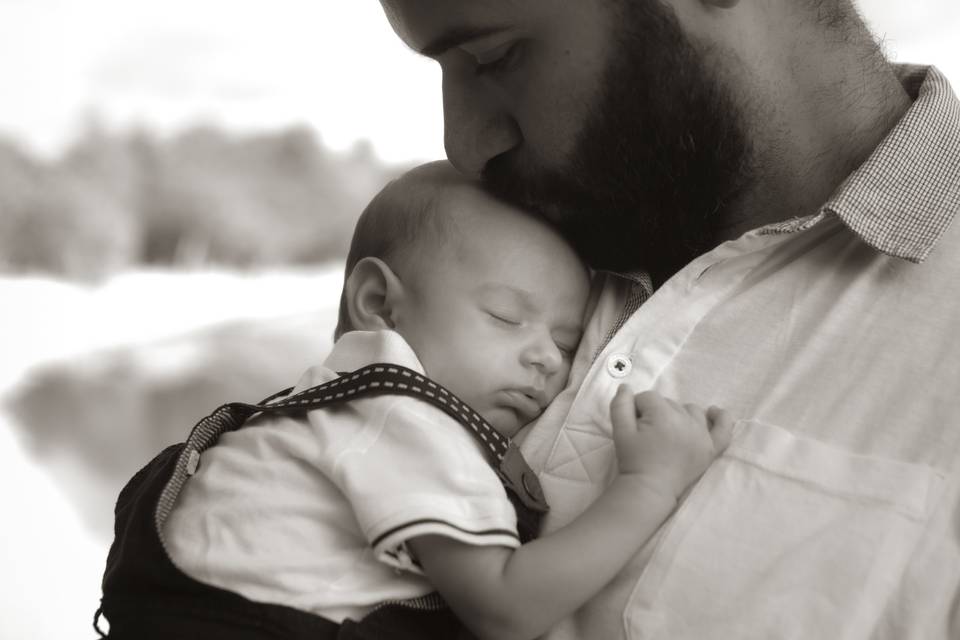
{"points": [[544, 355]]}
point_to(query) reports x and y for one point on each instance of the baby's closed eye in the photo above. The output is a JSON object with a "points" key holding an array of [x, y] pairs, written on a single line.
{"points": [[504, 318]]}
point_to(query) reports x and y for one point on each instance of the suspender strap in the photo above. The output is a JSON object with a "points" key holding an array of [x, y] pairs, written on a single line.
{"points": [[516, 475]]}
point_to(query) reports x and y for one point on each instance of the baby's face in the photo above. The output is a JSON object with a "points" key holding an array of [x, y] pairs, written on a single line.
{"points": [[497, 312]]}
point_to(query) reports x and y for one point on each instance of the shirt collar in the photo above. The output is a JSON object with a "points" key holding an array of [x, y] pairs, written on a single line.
{"points": [[903, 198], [356, 349]]}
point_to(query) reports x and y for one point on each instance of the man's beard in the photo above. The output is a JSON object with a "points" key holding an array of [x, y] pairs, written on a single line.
{"points": [[657, 164]]}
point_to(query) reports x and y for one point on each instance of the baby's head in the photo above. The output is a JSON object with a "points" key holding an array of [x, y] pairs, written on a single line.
{"points": [[490, 298]]}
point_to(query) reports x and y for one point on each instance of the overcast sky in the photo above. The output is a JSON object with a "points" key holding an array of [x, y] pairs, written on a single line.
{"points": [[252, 64]]}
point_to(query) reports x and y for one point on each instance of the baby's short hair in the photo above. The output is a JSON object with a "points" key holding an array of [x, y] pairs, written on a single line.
{"points": [[397, 223]]}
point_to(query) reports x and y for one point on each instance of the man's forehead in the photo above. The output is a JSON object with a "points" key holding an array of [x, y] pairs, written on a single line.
{"points": [[433, 26]]}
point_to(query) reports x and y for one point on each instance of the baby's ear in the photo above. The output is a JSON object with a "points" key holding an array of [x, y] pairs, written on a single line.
{"points": [[372, 291]]}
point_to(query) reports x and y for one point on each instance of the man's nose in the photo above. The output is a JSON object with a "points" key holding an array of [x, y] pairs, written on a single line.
{"points": [[475, 126]]}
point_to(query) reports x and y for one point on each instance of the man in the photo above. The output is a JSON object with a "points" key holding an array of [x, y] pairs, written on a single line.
{"points": [[792, 196]]}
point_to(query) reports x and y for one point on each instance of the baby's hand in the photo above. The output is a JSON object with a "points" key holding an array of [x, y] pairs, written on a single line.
{"points": [[670, 445]]}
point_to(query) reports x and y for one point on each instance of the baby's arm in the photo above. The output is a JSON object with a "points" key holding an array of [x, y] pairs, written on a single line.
{"points": [[662, 447]]}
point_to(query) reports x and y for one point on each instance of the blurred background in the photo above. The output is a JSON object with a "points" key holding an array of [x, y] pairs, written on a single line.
{"points": [[178, 185]]}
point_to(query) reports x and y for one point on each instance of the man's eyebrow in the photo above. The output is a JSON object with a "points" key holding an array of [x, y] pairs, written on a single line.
{"points": [[455, 37]]}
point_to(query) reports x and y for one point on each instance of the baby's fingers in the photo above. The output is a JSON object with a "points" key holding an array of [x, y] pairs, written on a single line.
{"points": [[622, 412], [653, 407], [720, 422]]}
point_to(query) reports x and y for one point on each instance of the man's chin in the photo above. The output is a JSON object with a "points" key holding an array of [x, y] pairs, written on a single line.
{"points": [[552, 213], [522, 184], [532, 196]]}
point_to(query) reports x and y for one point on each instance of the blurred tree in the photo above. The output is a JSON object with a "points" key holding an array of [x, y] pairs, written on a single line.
{"points": [[54, 221], [203, 197]]}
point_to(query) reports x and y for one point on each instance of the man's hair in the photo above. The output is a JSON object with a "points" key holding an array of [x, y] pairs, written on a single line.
{"points": [[395, 227]]}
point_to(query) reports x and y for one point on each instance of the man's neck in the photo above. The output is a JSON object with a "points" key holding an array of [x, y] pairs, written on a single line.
{"points": [[826, 121]]}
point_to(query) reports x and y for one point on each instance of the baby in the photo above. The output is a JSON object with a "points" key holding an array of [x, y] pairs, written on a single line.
{"points": [[386, 499]]}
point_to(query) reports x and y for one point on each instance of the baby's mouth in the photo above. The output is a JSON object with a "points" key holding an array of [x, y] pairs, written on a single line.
{"points": [[527, 405]]}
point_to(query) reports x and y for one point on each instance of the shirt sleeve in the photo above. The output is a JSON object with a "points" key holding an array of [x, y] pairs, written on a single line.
{"points": [[420, 472]]}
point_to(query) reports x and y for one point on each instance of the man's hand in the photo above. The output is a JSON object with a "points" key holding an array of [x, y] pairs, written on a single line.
{"points": [[666, 444]]}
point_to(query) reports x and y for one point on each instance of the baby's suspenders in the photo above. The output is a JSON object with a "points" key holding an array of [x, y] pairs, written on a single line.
{"points": [[143, 592]]}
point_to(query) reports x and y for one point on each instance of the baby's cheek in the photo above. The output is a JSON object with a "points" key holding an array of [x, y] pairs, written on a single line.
{"points": [[558, 383], [453, 373]]}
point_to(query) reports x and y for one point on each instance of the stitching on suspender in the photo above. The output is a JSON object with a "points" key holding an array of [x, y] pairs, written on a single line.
{"points": [[389, 378], [523, 487]]}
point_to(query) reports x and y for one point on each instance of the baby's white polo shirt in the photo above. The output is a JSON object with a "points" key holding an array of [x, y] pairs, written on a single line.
{"points": [[314, 513]]}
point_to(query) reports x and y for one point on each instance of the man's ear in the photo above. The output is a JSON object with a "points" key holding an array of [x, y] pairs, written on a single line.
{"points": [[372, 292]]}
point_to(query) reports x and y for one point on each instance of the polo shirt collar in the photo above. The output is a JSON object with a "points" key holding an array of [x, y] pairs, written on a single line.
{"points": [[356, 349], [904, 197]]}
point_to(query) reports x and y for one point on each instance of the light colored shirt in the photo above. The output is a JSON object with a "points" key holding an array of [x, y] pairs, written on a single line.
{"points": [[835, 512], [314, 513]]}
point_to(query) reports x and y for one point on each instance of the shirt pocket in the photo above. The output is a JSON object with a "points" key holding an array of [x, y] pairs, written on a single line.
{"points": [[783, 537]]}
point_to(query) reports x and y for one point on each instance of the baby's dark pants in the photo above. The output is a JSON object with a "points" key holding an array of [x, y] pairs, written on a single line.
{"points": [[145, 597]]}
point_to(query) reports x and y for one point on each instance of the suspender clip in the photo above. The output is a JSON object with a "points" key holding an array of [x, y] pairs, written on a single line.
{"points": [[518, 477]]}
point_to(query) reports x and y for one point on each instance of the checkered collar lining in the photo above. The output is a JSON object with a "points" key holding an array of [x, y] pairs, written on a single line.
{"points": [[903, 198], [906, 194]]}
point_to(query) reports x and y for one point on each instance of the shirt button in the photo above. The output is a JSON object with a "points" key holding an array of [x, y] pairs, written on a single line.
{"points": [[619, 365]]}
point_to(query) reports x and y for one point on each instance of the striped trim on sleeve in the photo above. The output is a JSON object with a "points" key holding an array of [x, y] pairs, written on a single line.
{"points": [[390, 547]]}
